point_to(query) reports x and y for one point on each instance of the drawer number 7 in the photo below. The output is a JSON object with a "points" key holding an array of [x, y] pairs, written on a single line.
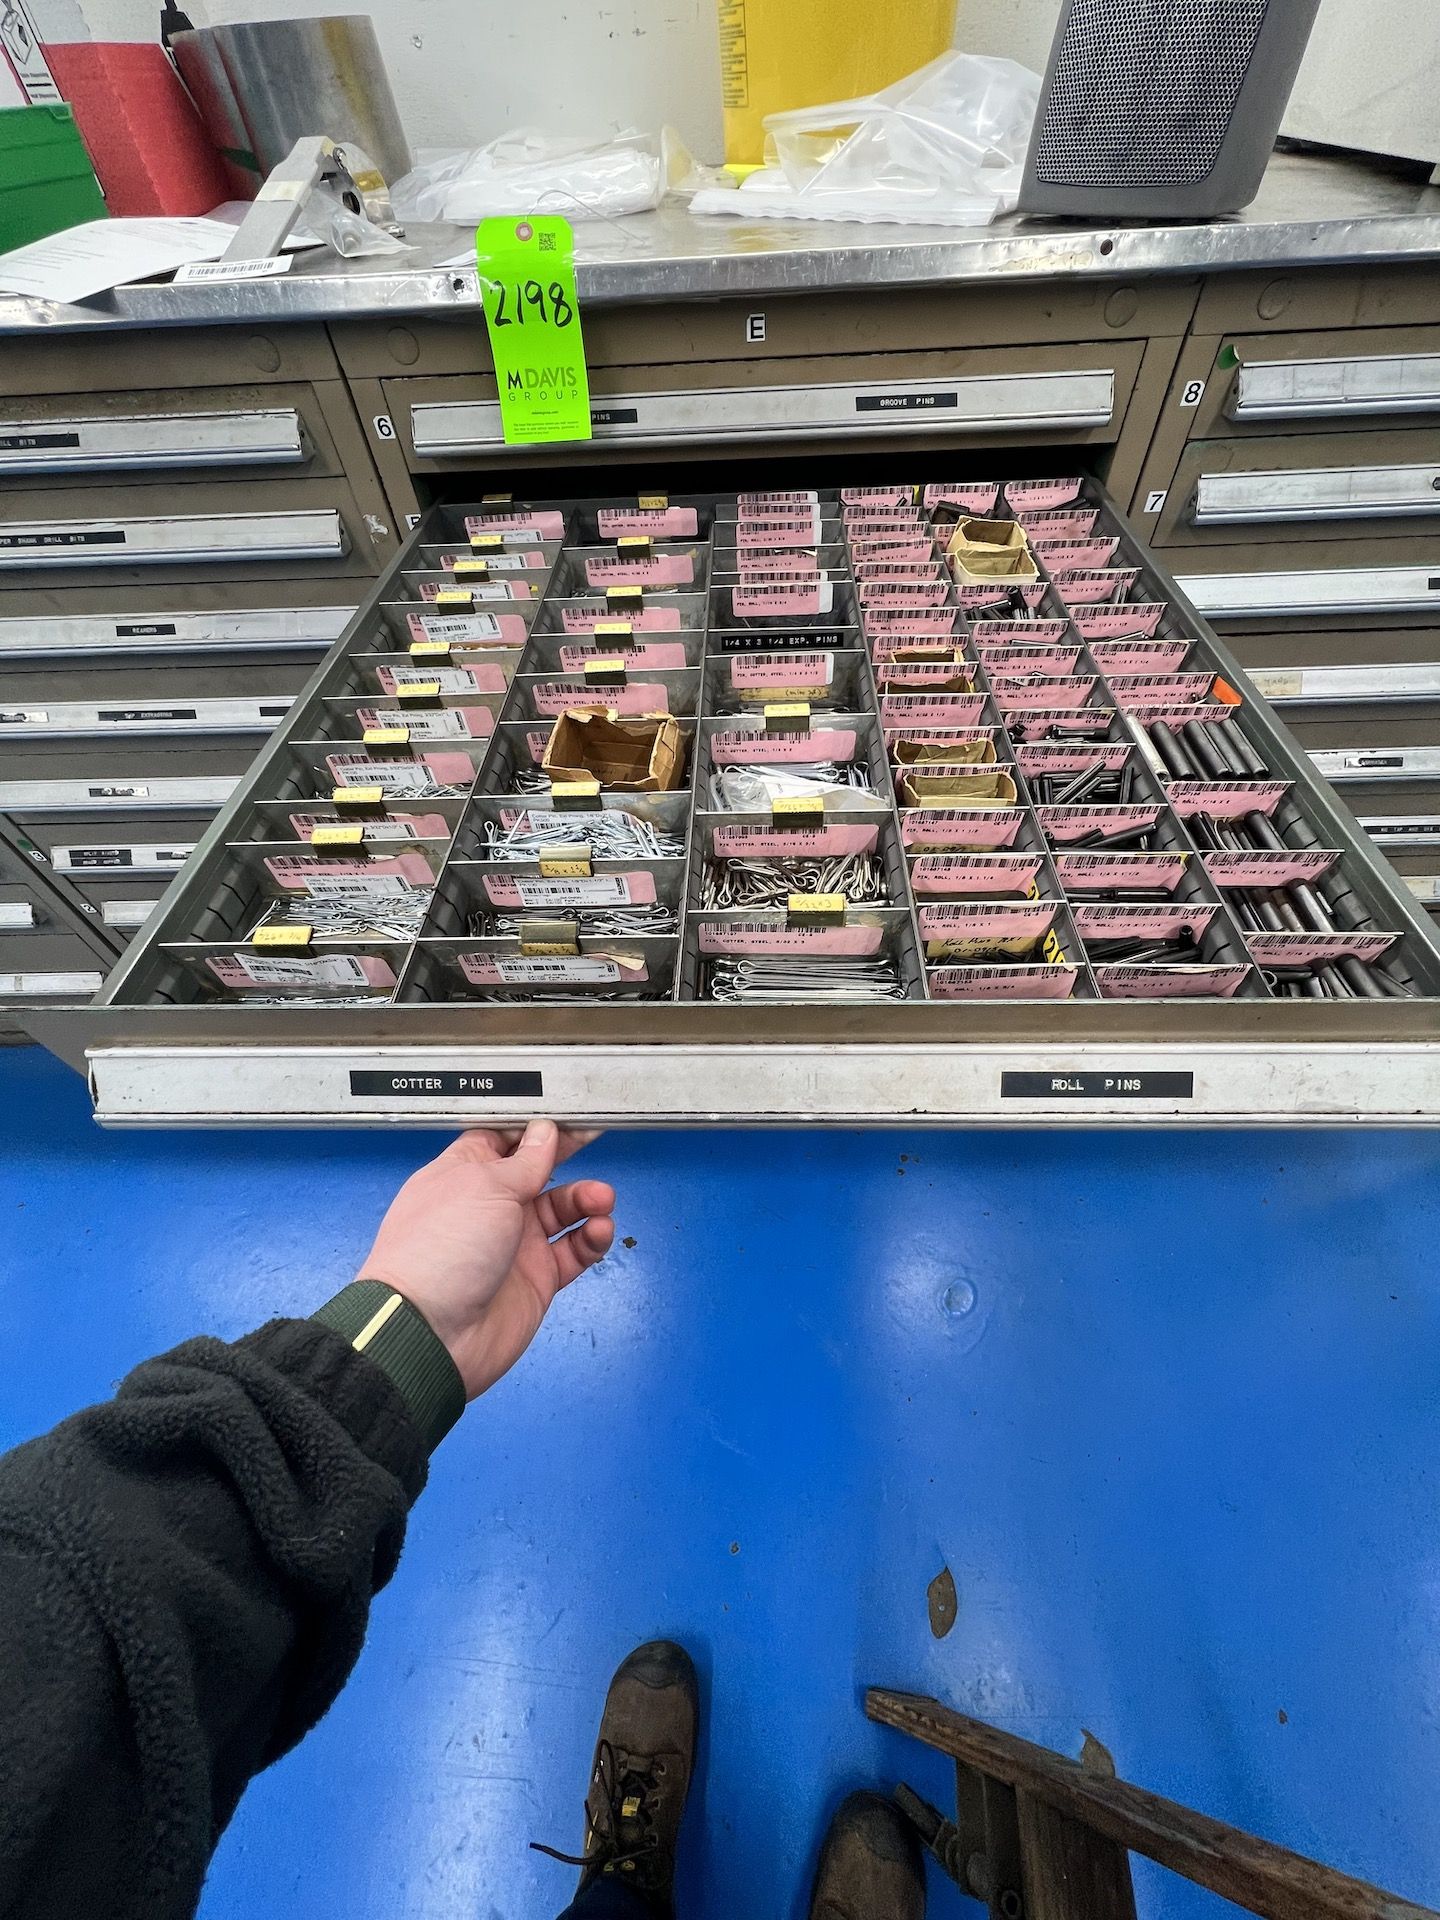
{"points": [[1192, 393]]}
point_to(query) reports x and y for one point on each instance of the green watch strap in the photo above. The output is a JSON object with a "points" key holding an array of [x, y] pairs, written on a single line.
{"points": [[382, 1324]]}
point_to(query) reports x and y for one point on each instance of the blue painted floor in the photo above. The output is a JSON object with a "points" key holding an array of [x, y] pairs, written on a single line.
{"points": [[1165, 1404]]}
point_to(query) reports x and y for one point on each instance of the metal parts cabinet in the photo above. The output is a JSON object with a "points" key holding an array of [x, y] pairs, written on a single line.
{"points": [[185, 526]]}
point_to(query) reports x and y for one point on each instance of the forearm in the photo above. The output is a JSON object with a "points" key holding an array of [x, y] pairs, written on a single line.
{"points": [[185, 1577]]}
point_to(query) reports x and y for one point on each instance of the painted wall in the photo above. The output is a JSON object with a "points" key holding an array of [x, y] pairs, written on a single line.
{"points": [[464, 71]]}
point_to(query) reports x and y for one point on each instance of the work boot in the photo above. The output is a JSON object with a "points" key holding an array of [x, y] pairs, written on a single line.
{"points": [[644, 1757], [870, 1865]]}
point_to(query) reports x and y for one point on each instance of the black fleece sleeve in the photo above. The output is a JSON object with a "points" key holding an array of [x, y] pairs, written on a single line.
{"points": [[185, 1578]]}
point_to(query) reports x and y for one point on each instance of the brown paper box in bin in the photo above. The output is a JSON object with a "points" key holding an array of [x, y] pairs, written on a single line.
{"points": [[951, 753], [642, 755], [940, 788], [985, 550]]}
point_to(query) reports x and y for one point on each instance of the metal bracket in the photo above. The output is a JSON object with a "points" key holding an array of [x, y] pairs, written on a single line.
{"points": [[312, 163]]}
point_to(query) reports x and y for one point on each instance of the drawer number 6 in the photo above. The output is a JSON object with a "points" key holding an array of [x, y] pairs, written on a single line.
{"points": [[385, 426]]}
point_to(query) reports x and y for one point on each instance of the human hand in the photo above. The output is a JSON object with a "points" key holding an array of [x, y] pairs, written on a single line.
{"points": [[468, 1241]]}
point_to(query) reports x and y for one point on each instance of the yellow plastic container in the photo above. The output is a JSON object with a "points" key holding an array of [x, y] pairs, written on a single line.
{"points": [[778, 54]]}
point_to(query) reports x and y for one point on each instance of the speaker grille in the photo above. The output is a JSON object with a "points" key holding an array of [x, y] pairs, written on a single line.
{"points": [[1143, 90]]}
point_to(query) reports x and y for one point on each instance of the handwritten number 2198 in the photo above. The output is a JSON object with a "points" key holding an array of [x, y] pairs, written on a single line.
{"points": [[532, 294]]}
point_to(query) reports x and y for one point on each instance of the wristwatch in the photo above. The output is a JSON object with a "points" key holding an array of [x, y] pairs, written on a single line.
{"points": [[383, 1325]]}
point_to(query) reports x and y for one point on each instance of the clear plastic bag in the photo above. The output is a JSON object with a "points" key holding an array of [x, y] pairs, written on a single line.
{"points": [[532, 172], [944, 145]]}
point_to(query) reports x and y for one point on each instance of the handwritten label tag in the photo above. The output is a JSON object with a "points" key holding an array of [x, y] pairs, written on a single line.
{"points": [[526, 271]]}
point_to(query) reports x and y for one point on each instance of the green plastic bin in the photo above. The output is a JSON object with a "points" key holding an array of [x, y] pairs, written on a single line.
{"points": [[46, 180]]}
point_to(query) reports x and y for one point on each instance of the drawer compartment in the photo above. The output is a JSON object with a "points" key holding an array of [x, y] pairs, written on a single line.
{"points": [[109, 534], [1340, 580], [1325, 380], [1033, 394], [1302, 487]]}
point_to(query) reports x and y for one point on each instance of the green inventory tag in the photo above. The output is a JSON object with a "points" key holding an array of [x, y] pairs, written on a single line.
{"points": [[527, 281]]}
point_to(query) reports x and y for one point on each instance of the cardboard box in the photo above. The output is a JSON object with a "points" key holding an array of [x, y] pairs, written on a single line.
{"points": [[645, 755], [940, 789], [951, 753], [981, 551]]}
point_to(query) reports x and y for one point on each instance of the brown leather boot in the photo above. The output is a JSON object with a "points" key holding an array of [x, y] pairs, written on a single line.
{"points": [[644, 1757], [871, 1866]]}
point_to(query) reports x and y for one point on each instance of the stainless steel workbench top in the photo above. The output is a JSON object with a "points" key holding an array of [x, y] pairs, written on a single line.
{"points": [[1310, 211]]}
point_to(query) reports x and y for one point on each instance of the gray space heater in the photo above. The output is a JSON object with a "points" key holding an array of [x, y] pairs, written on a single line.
{"points": [[1154, 108]]}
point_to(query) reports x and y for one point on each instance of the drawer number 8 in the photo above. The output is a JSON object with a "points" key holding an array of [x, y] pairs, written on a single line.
{"points": [[1192, 393]]}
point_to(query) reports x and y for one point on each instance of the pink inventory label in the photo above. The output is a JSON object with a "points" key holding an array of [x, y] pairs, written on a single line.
{"points": [[976, 827], [1136, 620], [1314, 949], [430, 590], [1075, 524], [1041, 496], [974, 873], [1064, 824], [1128, 981], [586, 890], [488, 677], [567, 970], [1140, 920], [1025, 693], [1082, 588], [931, 709], [394, 826], [788, 563], [1225, 800], [620, 523], [896, 551], [777, 533], [1044, 721], [551, 698], [652, 656], [976, 919], [768, 749], [317, 875], [1243, 868], [970, 496], [1094, 872], [449, 723], [1019, 633], [468, 629], [916, 623], [522, 524], [1050, 756], [886, 566], [877, 496], [1140, 656], [1205, 713], [903, 593], [760, 502], [400, 776], [1074, 553], [752, 603], [301, 973], [999, 594], [1008, 661], [658, 570], [766, 843], [576, 617], [532, 562], [783, 670], [1002, 983], [1160, 689], [763, 936]]}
